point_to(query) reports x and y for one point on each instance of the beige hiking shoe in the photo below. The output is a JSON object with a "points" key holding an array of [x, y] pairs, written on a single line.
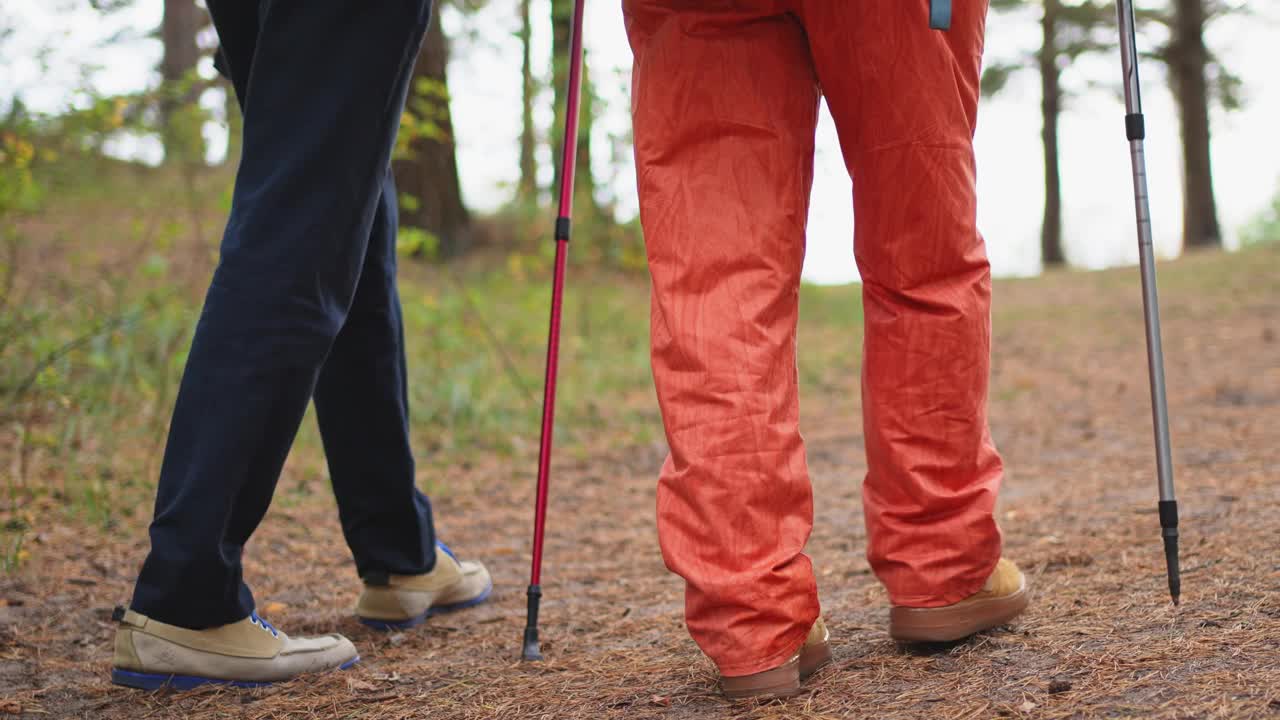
{"points": [[249, 653], [1001, 599], [784, 680], [397, 602]]}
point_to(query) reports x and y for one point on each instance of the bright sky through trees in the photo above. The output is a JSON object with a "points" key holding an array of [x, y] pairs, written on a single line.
{"points": [[44, 63]]}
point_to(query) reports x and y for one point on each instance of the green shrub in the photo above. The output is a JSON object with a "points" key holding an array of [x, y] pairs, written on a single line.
{"points": [[1265, 228]]}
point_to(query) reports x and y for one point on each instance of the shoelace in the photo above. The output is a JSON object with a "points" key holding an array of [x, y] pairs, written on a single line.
{"points": [[253, 618], [447, 551]]}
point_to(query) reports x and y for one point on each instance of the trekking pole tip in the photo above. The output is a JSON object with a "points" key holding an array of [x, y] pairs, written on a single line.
{"points": [[1171, 560], [1169, 531], [532, 652]]}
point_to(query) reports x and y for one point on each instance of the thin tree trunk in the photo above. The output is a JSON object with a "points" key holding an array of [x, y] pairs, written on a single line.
{"points": [[562, 29], [1187, 60], [527, 191], [430, 173], [181, 22], [235, 125], [1051, 253], [178, 30]]}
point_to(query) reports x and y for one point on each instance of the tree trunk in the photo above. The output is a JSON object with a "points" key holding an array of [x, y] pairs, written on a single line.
{"points": [[181, 22], [235, 125], [1051, 253], [430, 173], [562, 30], [1187, 60], [527, 190]]}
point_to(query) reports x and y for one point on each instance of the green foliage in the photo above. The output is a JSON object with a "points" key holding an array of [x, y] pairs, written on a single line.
{"points": [[1086, 27], [1225, 86], [38, 151], [1265, 228], [1079, 28], [416, 242], [996, 75], [425, 114], [18, 190], [409, 203], [183, 134], [599, 240], [86, 356]]}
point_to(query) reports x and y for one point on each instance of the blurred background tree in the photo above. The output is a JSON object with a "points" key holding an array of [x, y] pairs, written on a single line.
{"points": [[1069, 30], [1199, 80], [585, 206], [181, 120], [428, 168], [427, 171], [527, 189]]}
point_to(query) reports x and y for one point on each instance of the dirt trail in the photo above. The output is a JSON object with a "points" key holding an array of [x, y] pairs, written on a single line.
{"points": [[1070, 413]]}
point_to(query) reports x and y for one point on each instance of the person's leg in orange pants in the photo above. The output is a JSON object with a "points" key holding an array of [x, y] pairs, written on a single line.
{"points": [[905, 102], [724, 108]]}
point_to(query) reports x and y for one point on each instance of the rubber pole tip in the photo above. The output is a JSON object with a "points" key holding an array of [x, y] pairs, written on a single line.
{"points": [[532, 652], [1171, 560]]}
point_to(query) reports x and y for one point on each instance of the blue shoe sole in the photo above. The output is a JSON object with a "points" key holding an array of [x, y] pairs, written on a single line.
{"points": [[431, 612], [156, 681]]}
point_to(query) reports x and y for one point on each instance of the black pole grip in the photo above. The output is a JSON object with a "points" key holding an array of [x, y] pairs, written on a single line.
{"points": [[1135, 127]]}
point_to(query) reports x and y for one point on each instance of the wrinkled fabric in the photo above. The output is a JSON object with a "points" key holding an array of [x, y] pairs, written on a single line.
{"points": [[303, 305], [724, 101]]}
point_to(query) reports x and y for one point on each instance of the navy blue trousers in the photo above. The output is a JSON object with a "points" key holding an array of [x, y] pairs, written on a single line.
{"points": [[303, 304]]}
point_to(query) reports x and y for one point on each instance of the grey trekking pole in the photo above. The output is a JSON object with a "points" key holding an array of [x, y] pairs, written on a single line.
{"points": [[1136, 131]]}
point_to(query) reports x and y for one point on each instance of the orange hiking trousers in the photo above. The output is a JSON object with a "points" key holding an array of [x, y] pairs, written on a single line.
{"points": [[725, 102]]}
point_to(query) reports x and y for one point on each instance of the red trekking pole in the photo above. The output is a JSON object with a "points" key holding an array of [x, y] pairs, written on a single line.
{"points": [[568, 162]]}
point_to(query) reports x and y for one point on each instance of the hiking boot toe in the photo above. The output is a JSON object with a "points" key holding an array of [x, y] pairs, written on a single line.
{"points": [[250, 653], [784, 680], [397, 602], [1003, 598]]}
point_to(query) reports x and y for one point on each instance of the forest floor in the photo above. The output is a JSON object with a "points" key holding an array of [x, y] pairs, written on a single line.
{"points": [[1069, 411]]}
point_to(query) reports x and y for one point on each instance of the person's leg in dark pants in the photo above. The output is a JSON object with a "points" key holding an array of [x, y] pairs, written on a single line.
{"points": [[362, 404], [303, 302], [323, 85]]}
